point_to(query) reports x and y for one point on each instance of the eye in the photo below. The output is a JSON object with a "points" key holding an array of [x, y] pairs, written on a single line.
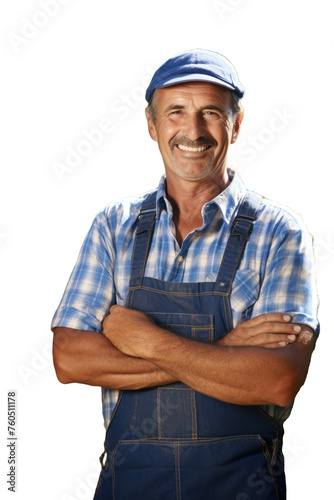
{"points": [[211, 114]]}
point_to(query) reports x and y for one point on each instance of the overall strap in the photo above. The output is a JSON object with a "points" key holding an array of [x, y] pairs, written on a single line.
{"points": [[240, 233], [143, 238]]}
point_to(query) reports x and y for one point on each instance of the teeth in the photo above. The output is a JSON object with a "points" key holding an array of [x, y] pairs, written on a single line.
{"points": [[187, 148]]}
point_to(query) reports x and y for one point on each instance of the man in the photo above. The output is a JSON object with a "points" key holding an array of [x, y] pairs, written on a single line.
{"points": [[205, 297]]}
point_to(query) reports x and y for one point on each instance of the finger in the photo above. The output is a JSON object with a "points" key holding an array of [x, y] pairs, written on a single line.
{"points": [[273, 327], [114, 308], [276, 345], [268, 317], [278, 339], [287, 328], [105, 320]]}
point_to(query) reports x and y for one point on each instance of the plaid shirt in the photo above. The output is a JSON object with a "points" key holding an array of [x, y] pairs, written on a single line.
{"points": [[276, 273]]}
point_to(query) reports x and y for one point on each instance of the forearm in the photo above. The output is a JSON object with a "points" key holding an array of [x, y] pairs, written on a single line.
{"points": [[88, 357], [238, 375], [262, 361]]}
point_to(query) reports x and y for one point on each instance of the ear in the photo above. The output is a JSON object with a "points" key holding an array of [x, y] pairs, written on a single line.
{"points": [[151, 126], [237, 126]]}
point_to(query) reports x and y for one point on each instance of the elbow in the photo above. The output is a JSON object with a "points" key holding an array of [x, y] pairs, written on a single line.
{"points": [[291, 375], [294, 371], [62, 377], [63, 361], [285, 398], [288, 388], [62, 373], [62, 364]]}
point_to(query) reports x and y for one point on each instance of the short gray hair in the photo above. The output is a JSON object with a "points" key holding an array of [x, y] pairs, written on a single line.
{"points": [[235, 105]]}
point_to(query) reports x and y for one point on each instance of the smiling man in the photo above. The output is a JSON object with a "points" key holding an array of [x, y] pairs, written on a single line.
{"points": [[194, 308], [204, 110]]}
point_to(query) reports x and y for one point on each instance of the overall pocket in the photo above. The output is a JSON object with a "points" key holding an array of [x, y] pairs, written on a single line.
{"points": [[235, 468], [144, 470], [198, 327]]}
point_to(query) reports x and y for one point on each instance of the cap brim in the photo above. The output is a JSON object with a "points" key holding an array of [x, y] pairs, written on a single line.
{"points": [[195, 78]]}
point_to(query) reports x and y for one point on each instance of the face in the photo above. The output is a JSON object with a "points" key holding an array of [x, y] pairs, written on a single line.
{"points": [[194, 127]]}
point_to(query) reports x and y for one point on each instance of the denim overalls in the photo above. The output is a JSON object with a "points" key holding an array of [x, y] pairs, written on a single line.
{"points": [[171, 442]]}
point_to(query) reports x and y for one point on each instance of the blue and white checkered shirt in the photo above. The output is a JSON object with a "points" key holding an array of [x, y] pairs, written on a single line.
{"points": [[276, 273]]}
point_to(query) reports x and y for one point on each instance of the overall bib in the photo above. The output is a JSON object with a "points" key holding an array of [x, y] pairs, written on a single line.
{"points": [[171, 442]]}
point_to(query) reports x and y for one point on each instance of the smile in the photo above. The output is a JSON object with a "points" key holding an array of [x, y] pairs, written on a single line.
{"points": [[194, 150]]}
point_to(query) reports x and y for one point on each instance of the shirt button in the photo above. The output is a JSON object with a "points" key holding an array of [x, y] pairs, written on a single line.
{"points": [[180, 259]]}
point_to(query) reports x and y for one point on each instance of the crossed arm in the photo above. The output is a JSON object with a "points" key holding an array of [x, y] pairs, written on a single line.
{"points": [[262, 361]]}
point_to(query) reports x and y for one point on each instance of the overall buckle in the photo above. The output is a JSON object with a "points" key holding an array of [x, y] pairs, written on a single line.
{"points": [[243, 227]]}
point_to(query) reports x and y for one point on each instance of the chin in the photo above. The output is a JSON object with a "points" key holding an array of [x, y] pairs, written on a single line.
{"points": [[198, 174]]}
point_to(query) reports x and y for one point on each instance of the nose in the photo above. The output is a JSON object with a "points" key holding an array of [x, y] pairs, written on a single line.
{"points": [[194, 127]]}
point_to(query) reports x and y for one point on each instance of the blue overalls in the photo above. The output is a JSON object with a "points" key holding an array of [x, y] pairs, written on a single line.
{"points": [[171, 442]]}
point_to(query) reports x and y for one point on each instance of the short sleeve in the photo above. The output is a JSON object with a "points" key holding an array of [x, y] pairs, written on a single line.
{"points": [[289, 281], [90, 290]]}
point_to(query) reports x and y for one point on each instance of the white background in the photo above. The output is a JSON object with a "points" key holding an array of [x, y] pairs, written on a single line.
{"points": [[67, 67]]}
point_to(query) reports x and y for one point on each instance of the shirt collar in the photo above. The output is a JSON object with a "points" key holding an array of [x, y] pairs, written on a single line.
{"points": [[227, 201]]}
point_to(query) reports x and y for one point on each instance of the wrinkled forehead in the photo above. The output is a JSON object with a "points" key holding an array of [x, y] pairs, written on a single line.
{"points": [[198, 93]]}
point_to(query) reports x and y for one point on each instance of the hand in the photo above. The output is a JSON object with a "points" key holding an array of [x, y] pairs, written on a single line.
{"points": [[128, 330], [273, 330]]}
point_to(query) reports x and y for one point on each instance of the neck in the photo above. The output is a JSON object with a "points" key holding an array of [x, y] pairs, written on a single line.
{"points": [[191, 195], [187, 199]]}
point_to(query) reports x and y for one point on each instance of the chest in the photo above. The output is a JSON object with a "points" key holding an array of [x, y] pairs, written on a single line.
{"points": [[197, 259]]}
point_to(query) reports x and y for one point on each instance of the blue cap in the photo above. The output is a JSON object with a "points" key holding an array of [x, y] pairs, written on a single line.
{"points": [[197, 65]]}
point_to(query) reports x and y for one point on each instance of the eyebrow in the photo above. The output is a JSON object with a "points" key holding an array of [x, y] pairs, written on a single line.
{"points": [[211, 107], [172, 107]]}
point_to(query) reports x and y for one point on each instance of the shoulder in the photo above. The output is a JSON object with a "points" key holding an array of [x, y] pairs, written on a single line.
{"points": [[271, 215], [121, 213], [278, 218]]}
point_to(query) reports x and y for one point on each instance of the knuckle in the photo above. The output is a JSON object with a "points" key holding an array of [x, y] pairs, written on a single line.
{"points": [[266, 327]]}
